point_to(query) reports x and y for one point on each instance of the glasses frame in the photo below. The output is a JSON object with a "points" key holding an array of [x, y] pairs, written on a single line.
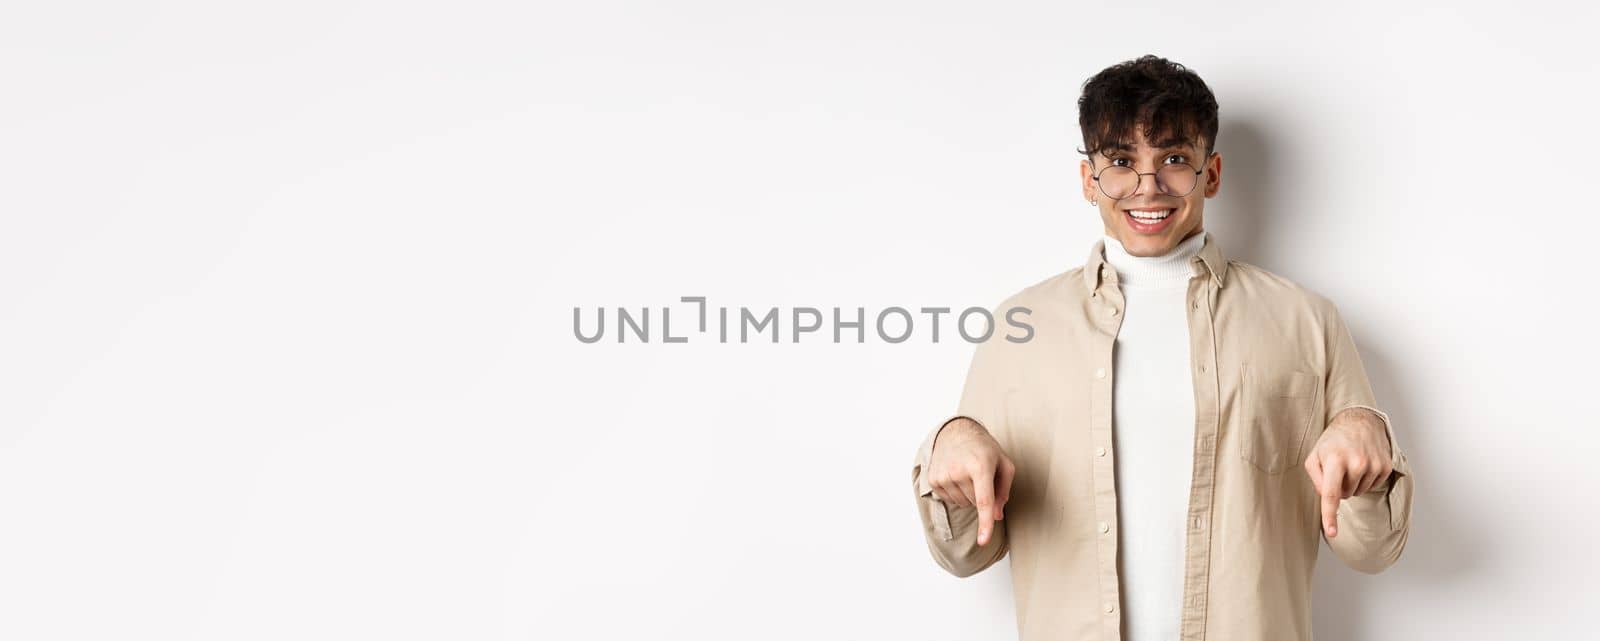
{"points": [[1139, 179]]}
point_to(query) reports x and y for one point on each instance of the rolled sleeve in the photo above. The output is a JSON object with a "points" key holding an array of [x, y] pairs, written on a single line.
{"points": [[951, 531], [1373, 526], [935, 513]]}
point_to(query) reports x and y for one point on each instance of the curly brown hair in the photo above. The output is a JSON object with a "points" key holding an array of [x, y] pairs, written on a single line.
{"points": [[1171, 103]]}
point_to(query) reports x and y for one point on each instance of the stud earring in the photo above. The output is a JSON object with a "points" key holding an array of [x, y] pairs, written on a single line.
{"points": [[1095, 202]]}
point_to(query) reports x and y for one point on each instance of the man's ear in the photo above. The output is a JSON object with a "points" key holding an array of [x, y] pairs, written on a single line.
{"points": [[1213, 174], [1086, 173]]}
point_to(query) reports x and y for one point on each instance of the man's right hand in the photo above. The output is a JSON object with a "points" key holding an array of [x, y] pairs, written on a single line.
{"points": [[968, 467]]}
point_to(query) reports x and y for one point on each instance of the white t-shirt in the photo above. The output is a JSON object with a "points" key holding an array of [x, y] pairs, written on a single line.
{"points": [[1153, 435]]}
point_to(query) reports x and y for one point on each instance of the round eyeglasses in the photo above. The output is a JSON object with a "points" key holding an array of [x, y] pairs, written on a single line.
{"points": [[1176, 180]]}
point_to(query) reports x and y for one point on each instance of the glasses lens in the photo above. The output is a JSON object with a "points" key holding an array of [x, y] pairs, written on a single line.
{"points": [[1177, 179], [1118, 182]]}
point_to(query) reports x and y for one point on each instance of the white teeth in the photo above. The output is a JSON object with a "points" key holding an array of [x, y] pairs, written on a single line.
{"points": [[1151, 215]]}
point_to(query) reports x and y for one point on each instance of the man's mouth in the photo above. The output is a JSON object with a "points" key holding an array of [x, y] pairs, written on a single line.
{"points": [[1149, 220]]}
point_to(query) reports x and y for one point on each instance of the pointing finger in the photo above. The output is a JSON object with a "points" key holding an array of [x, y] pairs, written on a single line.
{"points": [[1332, 486], [983, 489]]}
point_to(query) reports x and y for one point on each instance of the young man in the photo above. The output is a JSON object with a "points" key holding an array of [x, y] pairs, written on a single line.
{"points": [[1162, 458]]}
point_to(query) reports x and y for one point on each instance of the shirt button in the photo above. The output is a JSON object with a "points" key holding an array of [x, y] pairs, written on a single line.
{"points": [[1110, 608], [1113, 311], [1099, 451], [1105, 527], [1202, 368], [1100, 372]]}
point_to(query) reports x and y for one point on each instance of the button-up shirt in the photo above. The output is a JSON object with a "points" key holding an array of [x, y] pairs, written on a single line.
{"points": [[1272, 364]]}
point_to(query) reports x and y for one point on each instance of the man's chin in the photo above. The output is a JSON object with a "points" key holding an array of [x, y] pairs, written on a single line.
{"points": [[1147, 244]]}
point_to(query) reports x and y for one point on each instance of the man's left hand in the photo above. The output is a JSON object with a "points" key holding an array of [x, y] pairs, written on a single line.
{"points": [[1350, 458]]}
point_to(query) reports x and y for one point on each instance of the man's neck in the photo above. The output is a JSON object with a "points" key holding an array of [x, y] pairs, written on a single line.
{"points": [[1141, 271]]}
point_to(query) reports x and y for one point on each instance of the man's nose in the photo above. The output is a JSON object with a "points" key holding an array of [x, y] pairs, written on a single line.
{"points": [[1139, 188]]}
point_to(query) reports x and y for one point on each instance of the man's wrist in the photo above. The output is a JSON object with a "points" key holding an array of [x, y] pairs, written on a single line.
{"points": [[1368, 419], [956, 424]]}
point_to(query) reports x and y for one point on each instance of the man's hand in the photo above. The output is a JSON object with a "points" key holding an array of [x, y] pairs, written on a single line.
{"points": [[968, 467], [1350, 458]]}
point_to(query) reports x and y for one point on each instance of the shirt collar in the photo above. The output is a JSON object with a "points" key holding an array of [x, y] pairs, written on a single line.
{"points": [[1211, 259]]}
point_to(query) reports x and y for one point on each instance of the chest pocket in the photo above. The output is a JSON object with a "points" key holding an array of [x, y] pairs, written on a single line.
{"points": [[1278, 407]]}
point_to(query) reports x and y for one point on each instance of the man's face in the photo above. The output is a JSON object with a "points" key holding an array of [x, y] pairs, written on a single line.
{"points": [[1164, 220]]}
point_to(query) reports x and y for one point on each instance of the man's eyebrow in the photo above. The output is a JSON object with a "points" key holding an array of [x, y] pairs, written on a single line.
{"points": [[1170, 143]]}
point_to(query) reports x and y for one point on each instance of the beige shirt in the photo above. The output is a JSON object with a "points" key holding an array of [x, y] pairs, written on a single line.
{"points": [[1273, 363]]}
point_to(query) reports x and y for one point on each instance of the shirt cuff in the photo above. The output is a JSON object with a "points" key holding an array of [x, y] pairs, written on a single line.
{"points": [[925, 456]]}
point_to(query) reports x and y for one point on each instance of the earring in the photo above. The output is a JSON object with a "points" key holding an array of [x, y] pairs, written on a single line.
{"points": [[1095, 202]]}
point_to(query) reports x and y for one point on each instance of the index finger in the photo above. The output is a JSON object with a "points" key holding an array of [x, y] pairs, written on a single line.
{"points": [[1332, 486], [983, 490]]}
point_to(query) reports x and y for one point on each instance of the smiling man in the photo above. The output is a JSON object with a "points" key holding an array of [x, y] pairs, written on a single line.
{"points": [[1162, 460]]}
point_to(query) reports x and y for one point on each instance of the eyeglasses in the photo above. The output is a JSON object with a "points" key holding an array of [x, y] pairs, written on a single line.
{"points": [[1176, 180]]}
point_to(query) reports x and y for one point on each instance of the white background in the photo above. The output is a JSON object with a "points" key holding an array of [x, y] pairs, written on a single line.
{"points": [[286, 300]]}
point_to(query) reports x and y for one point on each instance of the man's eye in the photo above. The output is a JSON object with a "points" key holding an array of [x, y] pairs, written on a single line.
{"points": [[1114, 161], [1180, 158]]}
